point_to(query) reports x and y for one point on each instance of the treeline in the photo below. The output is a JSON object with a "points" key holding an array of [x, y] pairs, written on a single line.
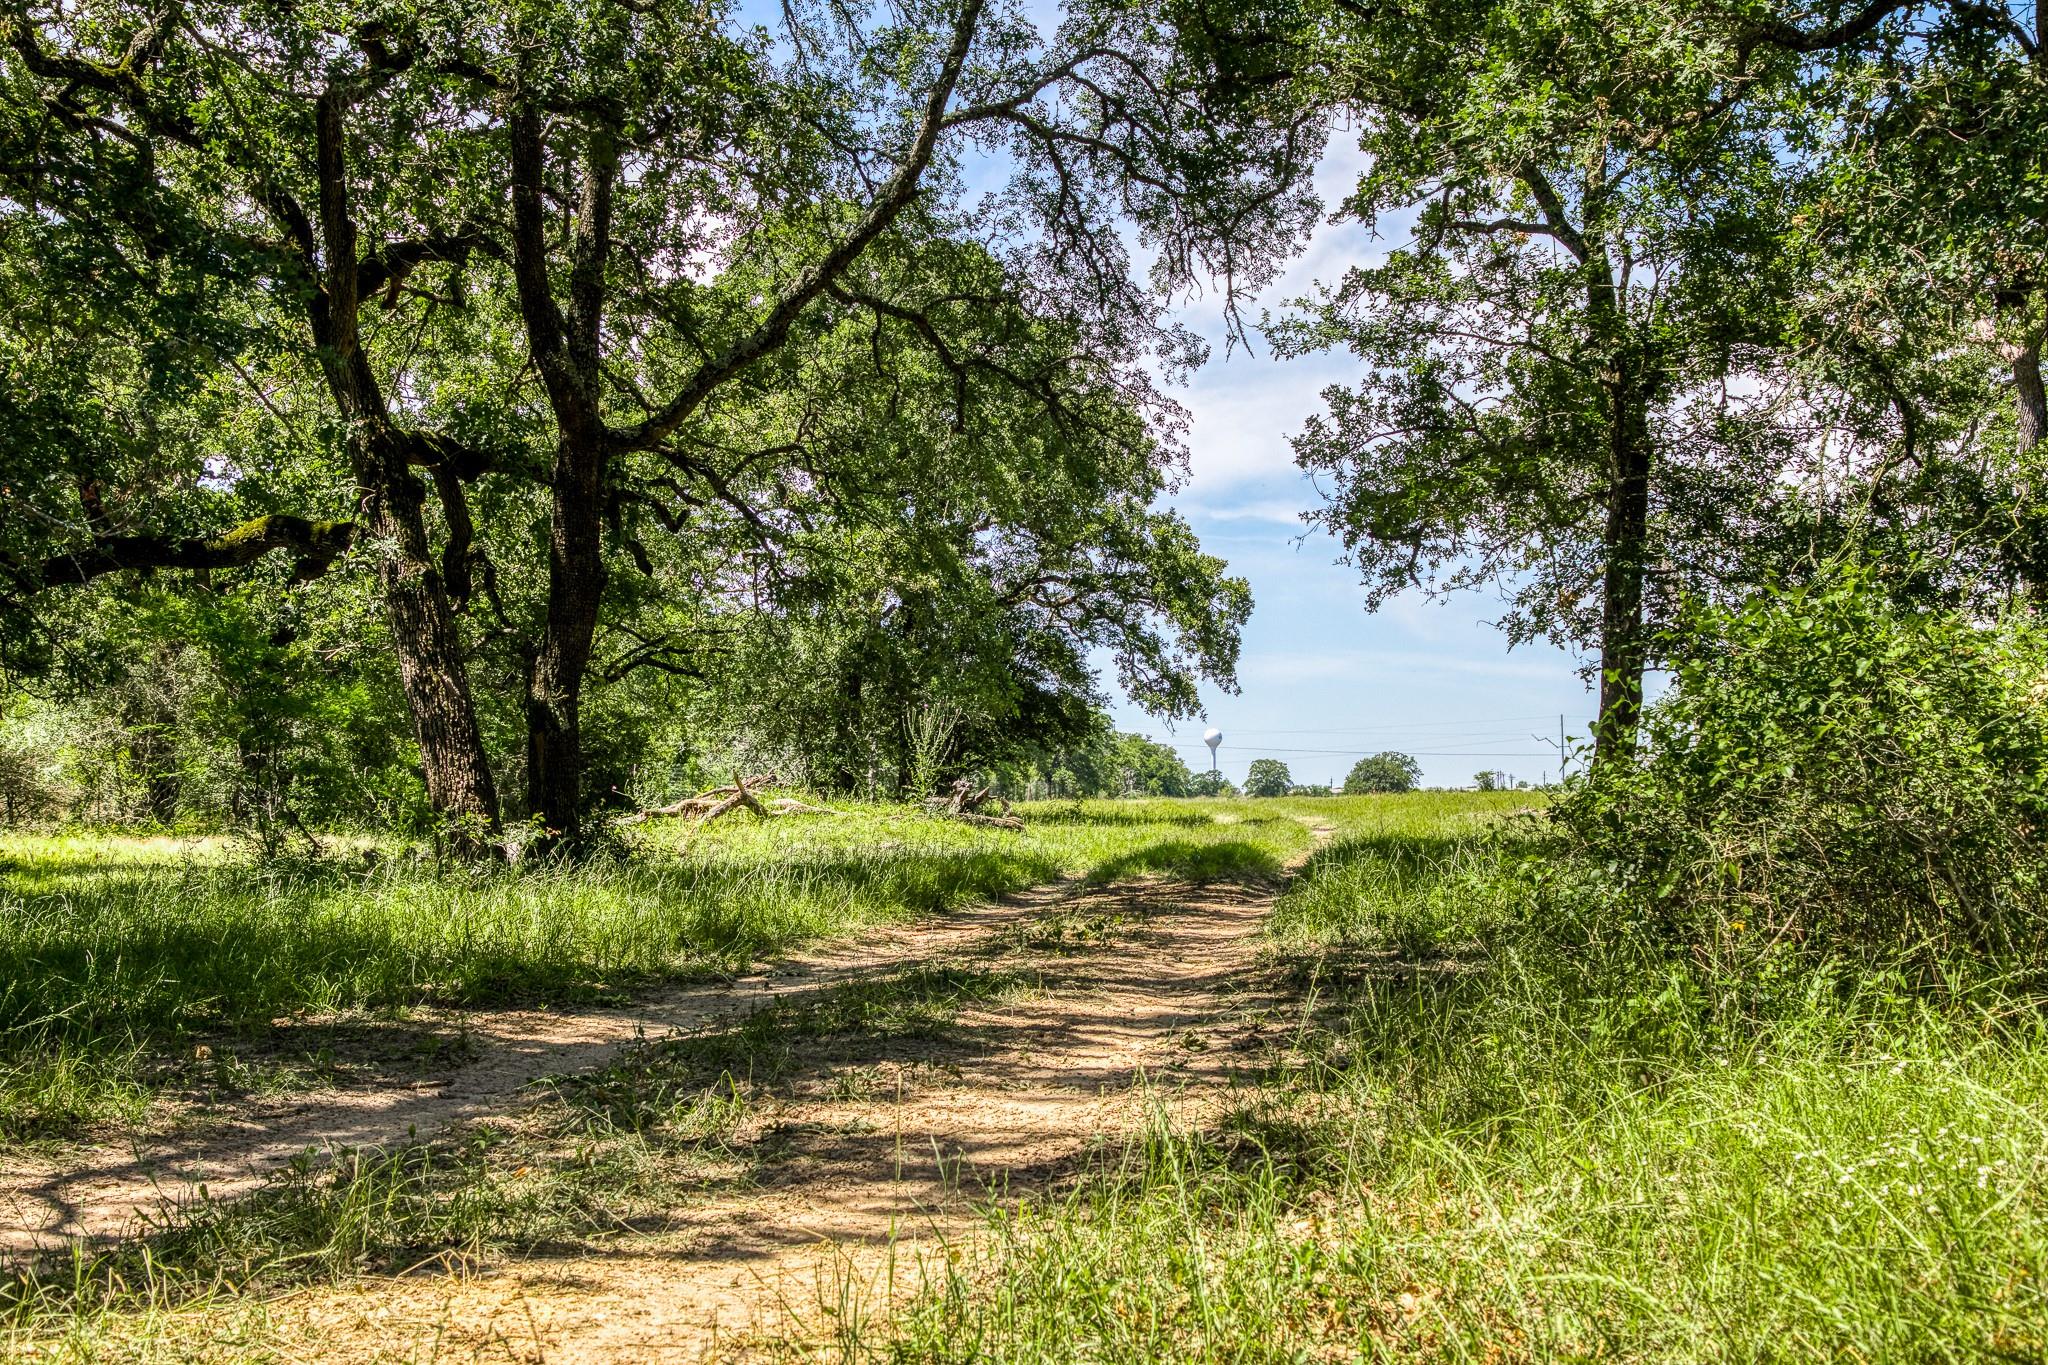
{"points": [[445, 415], [197, 723]]}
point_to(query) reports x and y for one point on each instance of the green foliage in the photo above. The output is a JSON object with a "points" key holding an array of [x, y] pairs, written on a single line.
{"points": [[1382, 772], [1268, 777], [1836, 774], [1147, 768], [1594, 248], [224, 707], [1099, 762], [760, 392], [1405, 872]]}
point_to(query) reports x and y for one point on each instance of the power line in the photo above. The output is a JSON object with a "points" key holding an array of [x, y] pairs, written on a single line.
{"points": [[1362, 753], [1392, 726]]}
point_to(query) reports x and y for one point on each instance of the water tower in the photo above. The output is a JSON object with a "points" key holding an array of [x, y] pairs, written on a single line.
{"points": [[1212, 737]]}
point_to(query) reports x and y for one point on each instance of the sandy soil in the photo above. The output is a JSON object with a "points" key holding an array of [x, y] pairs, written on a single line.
{"points": [[857, 1194]]}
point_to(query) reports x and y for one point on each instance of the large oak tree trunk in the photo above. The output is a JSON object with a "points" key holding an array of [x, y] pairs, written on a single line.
{"points": [[566, 351], [2030, 405], [2028, 395], [431, 668], [554, 689], [428, 643], [2016, 337], [1626, 383]]}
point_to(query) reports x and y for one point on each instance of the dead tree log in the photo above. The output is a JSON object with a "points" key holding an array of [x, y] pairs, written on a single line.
{"points": [[741, 793], [966, 802]]}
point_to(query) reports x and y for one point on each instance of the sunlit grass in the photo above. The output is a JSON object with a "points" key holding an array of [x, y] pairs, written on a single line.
{"points": [[1491, 1135], [583, 1160], [1554, 1145], [1396, 872]]}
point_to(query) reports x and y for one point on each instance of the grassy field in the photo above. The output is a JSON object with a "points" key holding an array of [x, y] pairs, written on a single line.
{"points": [[1501, 1127], [121, 954], [121, 959]]}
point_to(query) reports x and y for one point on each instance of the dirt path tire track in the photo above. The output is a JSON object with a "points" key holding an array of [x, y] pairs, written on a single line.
{"points": [[103, 1193], [1160, 1016]]}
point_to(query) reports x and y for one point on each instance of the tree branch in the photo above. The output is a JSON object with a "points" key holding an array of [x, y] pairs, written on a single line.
{"points": [[546, 333], [317, 544], [1791, 37], [386, 270], [896, 194], [1554, 216]]}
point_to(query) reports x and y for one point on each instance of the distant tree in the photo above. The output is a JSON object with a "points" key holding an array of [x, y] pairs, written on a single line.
{"points": [[1492, 780], [1312, 789], [1383, 772], [1095, 760], [1268, 777], [1211, 784], [1144, 768]]}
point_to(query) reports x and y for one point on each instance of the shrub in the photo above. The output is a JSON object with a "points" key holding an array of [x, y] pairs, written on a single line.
{"points": [[1834, 773]]}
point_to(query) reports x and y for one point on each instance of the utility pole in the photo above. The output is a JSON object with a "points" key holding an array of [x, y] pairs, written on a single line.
{"points": [[1563, 752]]}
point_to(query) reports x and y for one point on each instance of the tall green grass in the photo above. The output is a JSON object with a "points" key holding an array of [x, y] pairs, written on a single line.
{"points": [[115, 954], [1399, 874], [1510, 1129]]}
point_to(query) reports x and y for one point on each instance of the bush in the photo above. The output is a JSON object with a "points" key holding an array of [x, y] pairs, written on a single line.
{"points": [[1833, 773]]}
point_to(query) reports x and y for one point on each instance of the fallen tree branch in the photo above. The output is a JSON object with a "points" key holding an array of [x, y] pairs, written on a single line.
{"points": [[989, 821], [740, 793], [789, 805], [966, 802], [741, 796]]}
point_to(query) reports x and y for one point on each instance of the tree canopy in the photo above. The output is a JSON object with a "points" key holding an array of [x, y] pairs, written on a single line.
{"points": [[1382, 772], [609, 392], [1673, 296], [505, 305], [1268, 777]]}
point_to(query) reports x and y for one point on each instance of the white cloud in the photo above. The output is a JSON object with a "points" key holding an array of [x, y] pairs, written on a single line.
{"points": [[1276, 511], [1359, 665], [1245, 405], [1243, 413]]}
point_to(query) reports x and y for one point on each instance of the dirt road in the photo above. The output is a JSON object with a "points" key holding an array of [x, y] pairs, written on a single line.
{"points": [[871, 1155]]}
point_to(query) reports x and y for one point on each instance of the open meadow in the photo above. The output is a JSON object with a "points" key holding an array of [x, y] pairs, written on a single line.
{"points": [[1303, 1078]]}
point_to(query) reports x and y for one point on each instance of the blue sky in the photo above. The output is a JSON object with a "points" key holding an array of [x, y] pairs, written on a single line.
{"points": [[1323, 681]]}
